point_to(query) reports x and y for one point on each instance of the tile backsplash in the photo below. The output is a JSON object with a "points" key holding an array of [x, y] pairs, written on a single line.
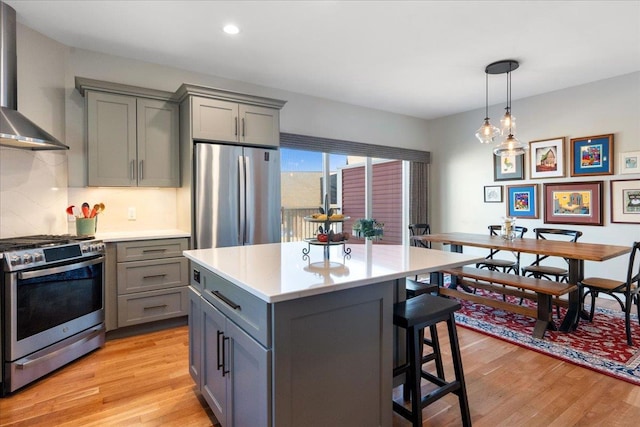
{"points": [[34, 197], [33, 192]]}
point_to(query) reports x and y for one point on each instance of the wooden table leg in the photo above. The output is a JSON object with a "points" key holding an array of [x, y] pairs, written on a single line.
{"points": [[570, 321]]}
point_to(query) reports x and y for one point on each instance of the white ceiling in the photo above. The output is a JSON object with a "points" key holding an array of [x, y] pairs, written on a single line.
{"points": [[419, 58]]}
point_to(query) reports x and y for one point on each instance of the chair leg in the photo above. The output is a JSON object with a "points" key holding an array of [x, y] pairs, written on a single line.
{"points": [[415, 372], [627, 318], [592, 309], [457, 367]]}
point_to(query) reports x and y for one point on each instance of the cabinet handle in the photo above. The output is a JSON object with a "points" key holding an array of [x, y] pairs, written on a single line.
{"points": [[146, 251], [220, 365], [140, 171], [243, 127], [226, 300], [153, 276], [236, 126], [155, 306], [133, 170], [224, 369]]}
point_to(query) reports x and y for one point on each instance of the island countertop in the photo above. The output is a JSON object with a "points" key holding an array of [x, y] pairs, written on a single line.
{"points": [[278, 271]]}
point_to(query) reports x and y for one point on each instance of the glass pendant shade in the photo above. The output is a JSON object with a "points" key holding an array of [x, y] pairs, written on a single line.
{"points": [[487, 132], [510, 147], [507, 124]]}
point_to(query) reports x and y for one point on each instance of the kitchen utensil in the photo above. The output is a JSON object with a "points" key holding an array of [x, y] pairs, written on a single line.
{"points": [[70, 210], [85, 210]]}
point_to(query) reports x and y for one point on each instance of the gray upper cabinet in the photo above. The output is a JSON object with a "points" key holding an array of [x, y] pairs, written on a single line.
{"points": [[217, 120], [132, 140]]}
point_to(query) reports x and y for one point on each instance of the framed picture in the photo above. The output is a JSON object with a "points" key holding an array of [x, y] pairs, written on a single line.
{"points": [[546, 158], [630, 162], [522, 201], [592, 155], [578, 203], [508, 168], [493, 193], [625, 201]]}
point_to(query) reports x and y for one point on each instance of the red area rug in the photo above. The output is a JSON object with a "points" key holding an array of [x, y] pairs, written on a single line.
{"points": [[600, 346]]}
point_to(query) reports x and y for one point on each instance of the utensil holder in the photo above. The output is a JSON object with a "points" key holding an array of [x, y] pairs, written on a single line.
{"points": [[86, 226]]}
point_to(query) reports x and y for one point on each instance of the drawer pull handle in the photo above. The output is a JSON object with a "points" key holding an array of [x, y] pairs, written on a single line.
{"points": [[226, 300], [155, 306], [146, 251], [153, 276]]}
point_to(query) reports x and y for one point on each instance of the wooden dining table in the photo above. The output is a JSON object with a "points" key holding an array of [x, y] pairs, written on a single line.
{"points": [[576, 253]]}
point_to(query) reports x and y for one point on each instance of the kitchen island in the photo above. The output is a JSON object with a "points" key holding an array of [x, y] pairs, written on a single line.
{"points": [[282, 339]]}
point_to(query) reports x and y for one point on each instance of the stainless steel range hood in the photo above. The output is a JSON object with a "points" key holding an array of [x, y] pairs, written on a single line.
{"points": [[15, 129]]}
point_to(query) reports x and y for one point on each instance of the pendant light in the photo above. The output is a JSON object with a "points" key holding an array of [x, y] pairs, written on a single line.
{"points": [[510, 146], [487, 131]]}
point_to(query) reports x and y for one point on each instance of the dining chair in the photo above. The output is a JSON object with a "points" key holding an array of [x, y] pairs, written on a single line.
{"points": [[497, 264], [419, 230], [540, 271], [629, 290]]}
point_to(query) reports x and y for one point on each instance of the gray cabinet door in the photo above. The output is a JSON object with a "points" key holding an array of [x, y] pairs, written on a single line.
{"points": [[158, 148], [249, 382], [111, 139], [215, 120], [214, 385], [259, 125], [195, 337]]}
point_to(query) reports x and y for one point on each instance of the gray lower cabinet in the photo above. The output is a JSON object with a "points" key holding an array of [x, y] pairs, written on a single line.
{"points": [[315, 361], [235, 372], [152, 280]]}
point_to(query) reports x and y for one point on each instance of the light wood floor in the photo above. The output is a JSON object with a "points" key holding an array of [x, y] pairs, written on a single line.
{"points": [[144, 381]]}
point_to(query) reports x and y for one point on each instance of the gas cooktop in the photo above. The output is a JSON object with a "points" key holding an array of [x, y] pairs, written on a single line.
{"points": [[39, 241]]}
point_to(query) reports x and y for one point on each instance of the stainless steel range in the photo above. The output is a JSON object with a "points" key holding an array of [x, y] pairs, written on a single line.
{"points": [[51, 305]]}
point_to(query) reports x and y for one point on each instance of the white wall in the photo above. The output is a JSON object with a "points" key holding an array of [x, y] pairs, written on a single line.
{"points": [[462, 166], [47, 90]]}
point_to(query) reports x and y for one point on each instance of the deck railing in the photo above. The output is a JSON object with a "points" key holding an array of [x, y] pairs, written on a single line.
{"points": [[295, 228]]}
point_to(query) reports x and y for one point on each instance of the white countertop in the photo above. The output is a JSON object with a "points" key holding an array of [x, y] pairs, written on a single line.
{"points": [[123, 236], [277, 271]]}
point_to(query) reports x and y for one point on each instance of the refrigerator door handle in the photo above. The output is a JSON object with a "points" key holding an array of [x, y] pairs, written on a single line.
{"points": [[241, 198]]}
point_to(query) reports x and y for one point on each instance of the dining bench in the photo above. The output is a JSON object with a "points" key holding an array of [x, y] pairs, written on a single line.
{"points": [[545, 292]]}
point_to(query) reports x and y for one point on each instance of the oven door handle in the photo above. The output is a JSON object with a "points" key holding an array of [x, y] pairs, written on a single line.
{"points": [[60, 269]]}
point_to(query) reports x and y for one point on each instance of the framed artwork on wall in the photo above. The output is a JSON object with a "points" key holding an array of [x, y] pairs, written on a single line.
{"points": [[592, 155], [625, 201], [578, 203], [522, 201], [493, 193], [630, 162], [546, 158], [508, 168]]}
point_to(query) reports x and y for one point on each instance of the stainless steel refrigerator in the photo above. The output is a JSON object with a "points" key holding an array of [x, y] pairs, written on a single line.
{"points": [[236, 195]]}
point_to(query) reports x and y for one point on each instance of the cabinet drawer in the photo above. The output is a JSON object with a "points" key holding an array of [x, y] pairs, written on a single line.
{"points": [[152, 305], [151, 249], [151, 275], [249, 312]]}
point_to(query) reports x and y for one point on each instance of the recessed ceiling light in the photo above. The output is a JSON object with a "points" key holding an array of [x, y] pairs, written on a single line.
{"points": [[231, 29]]}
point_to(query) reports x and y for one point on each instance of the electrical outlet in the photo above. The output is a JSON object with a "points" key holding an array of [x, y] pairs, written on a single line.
{"points": [[131, 214]]}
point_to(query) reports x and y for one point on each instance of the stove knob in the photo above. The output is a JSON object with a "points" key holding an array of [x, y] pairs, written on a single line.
{"points": [[38, 256], [27, 258], [16, 260], [85, 248]]}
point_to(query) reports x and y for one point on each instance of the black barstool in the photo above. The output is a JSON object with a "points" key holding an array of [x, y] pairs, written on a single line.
{"points": [[414, 315], [414, 289]]}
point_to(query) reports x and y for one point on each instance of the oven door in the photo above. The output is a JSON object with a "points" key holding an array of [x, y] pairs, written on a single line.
{"points": [[47, 305]]}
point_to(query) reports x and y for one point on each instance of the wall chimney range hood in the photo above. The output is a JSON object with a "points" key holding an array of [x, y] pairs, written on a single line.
{"points": [[15, 129]]}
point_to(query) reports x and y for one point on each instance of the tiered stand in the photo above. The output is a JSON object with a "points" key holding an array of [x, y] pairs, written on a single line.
{"points": [[327, 223]]}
